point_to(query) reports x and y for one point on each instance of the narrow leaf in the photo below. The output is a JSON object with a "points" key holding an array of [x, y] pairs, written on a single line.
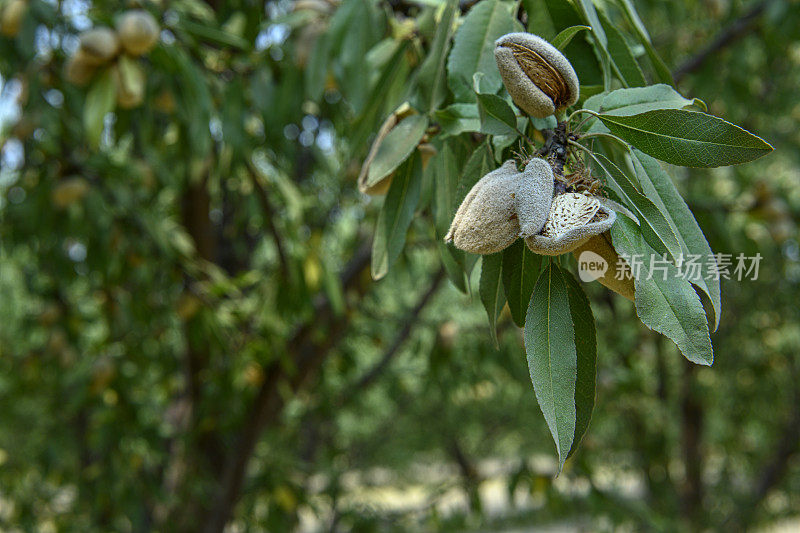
{"points": [[453, 262], [561, 40], [473, 48], [99, 102], [658, 186], [478, 165], [665, 302], [456, 119], [621, 56], [635, 100], [552, 357], [586, 351], [655, 226], [497, 117], [395, 216], [432, 72], [396, 147], [491, 290], [520, 269], [662, 71], [687, 138]]}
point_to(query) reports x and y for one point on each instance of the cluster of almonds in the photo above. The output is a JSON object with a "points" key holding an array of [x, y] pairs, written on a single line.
{"points": [[507, 204], [136, 34]]}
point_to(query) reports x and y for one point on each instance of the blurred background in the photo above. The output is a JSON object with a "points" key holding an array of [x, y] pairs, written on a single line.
{"points": [[189, 333]]}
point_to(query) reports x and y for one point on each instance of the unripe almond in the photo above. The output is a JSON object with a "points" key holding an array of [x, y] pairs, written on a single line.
{"points": [[535, 196], [540, 80], [11, 18], [574, 218], [138, 31], [130, 81], [486, 221], [619, 280], [79, 70], [98, 45], [69, 191]]}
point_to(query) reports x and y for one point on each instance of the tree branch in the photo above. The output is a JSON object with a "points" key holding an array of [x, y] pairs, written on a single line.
{"points": [[269, 215], [692, 428], [736, 30], [774, 470], [372, 374], [306, 356]]}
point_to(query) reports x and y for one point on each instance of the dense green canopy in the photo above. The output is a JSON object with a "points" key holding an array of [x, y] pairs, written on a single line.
{"points": [[204, 321]]}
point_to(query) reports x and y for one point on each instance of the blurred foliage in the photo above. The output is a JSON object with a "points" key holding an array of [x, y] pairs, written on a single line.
{"points": [[211, 255]]}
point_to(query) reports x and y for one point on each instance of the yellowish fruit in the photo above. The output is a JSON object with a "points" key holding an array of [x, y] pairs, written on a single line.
{"points": [[616, 278], [11, 18], [138, 31], [129, 77], [78, 70], [98, 45], [69, 191]]}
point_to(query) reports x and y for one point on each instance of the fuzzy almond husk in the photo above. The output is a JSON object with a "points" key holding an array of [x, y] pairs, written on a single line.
{"points": [[537, 76], [486, 221], [11, 17], [601, 245], [574, 218], [535, 197], [138, 31], [98, 45]]}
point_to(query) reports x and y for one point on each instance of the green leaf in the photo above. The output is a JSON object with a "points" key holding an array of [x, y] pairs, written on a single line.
{"points": [[445, 185], [431, 77], [497, 117], [662, 71], [395, 216], [586, 351], [392, 71], [491, 290], [621, 56], [396, 147], [589, 14], [317, 68], [687, 138], [665, 302], [624, 102], [478, 165], [211, 34], [356, 41], [586, 7], [655, 226], [473, 48], [456, 119], [658, 186], [539, 20], [552, 357], [561, 40], [520, 269], [453, 262], [99, 102]]}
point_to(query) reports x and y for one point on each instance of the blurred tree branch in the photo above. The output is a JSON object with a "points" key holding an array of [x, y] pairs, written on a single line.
{"points": [[740, 27], [372, 374], [306, 356]]}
